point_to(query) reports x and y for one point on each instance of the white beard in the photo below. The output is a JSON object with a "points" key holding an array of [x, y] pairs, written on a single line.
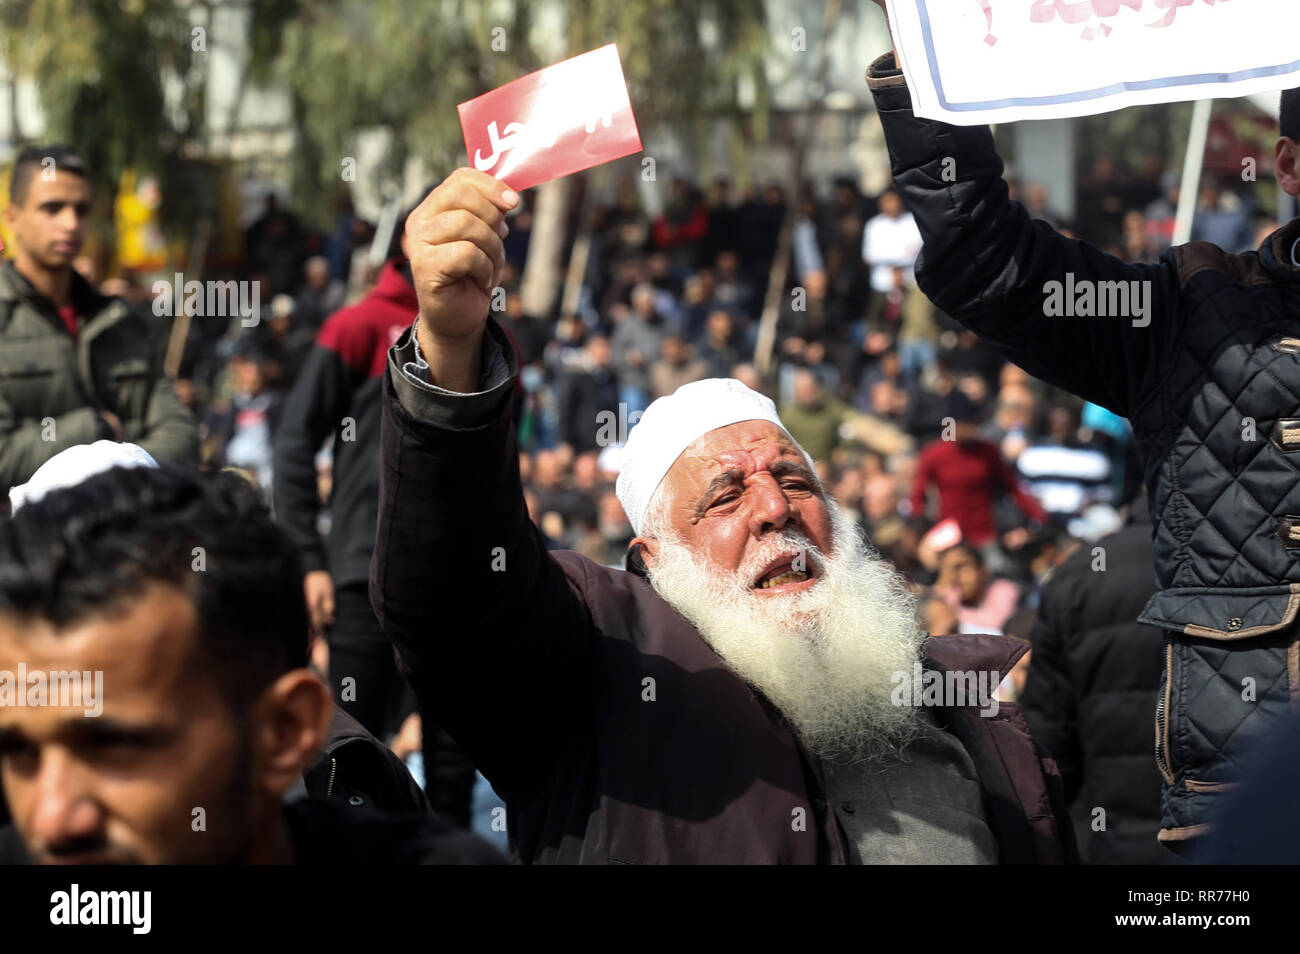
{"points": [[825, 656]]}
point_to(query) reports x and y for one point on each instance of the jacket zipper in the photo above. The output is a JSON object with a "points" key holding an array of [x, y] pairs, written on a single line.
{"points": [[1162, 717], [334, 765]]}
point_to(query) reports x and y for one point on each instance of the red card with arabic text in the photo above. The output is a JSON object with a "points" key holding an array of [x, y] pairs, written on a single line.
{"points": [[555, 122]]}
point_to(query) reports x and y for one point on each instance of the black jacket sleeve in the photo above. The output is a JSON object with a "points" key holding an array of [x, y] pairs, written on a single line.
{"points": [[320, 398], [494, 640], [988, 264]]}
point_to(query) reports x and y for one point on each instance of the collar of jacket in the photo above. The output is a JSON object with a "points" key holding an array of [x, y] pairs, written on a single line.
{"points": [[1275, 253], [99, 313], [1018, 803], [1001, 748], [14, 286]]}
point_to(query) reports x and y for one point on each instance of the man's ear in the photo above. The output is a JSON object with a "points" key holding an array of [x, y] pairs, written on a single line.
{"points": [[1286, 166], [648, 548], [294, 716]]}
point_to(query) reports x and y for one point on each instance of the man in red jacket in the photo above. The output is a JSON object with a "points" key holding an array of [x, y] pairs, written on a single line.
{"points": [[970, 475]]}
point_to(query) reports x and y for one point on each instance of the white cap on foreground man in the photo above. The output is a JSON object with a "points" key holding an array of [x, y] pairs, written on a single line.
{"points": [[70, 467], [671, 424]]}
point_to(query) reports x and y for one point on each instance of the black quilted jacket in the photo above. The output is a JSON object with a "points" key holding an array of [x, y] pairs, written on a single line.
{"points": [[1208, 373]]}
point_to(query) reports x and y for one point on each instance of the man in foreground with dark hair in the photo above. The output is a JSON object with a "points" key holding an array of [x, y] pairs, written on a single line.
{"points": [[1201, 352], [158, 706], [75, 366]]}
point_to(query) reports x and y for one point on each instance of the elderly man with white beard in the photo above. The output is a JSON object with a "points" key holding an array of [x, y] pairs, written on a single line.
{"points": [[748, 693]]}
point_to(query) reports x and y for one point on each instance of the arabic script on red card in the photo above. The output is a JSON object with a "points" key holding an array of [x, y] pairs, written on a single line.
{"points": [[555, 122]]}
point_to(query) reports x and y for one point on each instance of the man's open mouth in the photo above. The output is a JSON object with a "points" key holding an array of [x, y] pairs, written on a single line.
{"points": [[783, 572]]}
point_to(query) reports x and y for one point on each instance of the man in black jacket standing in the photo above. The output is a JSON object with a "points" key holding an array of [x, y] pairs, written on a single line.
{"points": [[1201, 353], [337, 395], [1093, 678]]}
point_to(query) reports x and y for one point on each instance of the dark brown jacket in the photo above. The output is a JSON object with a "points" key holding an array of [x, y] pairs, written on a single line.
{"points": [[614, 733]]}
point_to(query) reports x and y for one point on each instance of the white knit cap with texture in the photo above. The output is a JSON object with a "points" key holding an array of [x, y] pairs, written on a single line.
{"points": [[674, 422], [70, 467]]}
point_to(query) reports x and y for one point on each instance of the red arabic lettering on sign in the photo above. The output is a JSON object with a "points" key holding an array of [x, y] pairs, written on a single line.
{"points": [[1081, 11]]}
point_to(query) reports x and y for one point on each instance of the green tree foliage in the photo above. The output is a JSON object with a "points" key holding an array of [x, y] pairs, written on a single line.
{"points": [[406, 64], [100, 67]]}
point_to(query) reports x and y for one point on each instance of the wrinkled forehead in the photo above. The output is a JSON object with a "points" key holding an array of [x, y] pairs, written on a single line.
{"points": [[747, 446]]}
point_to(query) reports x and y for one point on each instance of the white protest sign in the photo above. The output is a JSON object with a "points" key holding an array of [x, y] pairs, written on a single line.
{"points": [[970, 62]]}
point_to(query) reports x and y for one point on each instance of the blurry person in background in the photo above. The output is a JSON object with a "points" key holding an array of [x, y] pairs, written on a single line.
{"points": [[1036, 203], [1136, 242], [848, 489], [1222, 218], [614, 529], [1014, 418], [337, 398], [244, 433], [210, 702], [1094, 675], [635, 344], [747, 375], [970, 476], [320, 295], [674, 367], [890, 243], [273, 245], [1161, 215], [720, 350], [591, 411], [732, 291], [1064, 471], [683, 227], [530, 334], [814, 418], [75, 366], [938, 618], [981, 602], [697, 303]]}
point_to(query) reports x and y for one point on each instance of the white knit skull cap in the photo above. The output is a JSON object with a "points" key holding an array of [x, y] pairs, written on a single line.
{"points": [[674, 422], [80, 462]]}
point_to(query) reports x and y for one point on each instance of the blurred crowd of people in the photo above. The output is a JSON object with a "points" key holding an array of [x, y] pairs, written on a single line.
{"points": [[973, 478]]}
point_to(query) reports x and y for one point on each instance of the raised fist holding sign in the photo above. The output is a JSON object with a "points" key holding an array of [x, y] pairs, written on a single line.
{"points": [[454, 242]]}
